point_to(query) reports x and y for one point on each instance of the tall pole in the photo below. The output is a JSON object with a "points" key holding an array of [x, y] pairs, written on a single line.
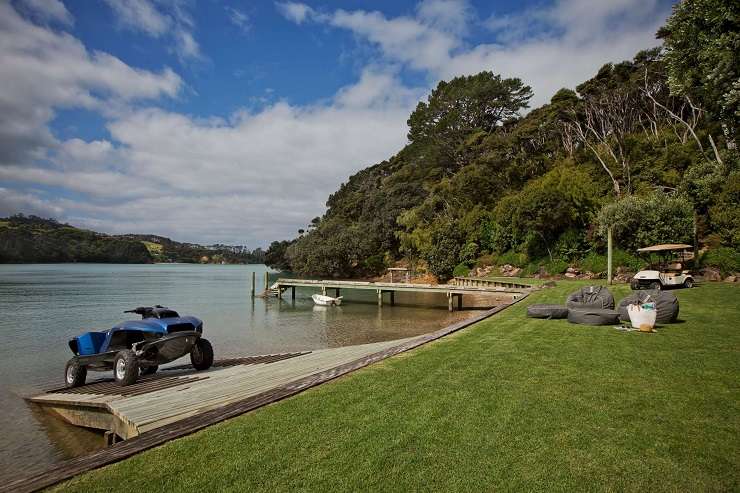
{"points": [[609, 255], [254, 282], [267, 282]]}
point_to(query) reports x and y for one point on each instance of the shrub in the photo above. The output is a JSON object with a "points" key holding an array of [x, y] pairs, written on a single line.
{"points": [[593, 262], [642, 221], [556, 266], [570, 245], [725, 259], [512, 258], [461, 270], [632, 263]]}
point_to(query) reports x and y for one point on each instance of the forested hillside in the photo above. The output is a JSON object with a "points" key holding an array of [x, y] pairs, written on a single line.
{"points": [[646, 146], [33, 239], [28, 239]]}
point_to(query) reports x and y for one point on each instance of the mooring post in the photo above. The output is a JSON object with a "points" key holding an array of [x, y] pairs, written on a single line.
{"points": [[459, 301], [323, 290], [449, 301], [336, 292], [254, 282], [267, 281], [393, 298], [380, 297], [292, 292]]}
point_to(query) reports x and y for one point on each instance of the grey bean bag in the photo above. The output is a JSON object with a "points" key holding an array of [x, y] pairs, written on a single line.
{"points": [[591, 297], [593, 316], [666, 303], [547, 311]]}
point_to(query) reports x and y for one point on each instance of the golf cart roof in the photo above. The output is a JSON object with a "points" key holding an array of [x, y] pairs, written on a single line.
{"points": [[665, 247]]}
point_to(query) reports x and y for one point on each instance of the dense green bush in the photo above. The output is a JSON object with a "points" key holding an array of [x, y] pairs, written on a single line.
{"points": [[511, 258], [725, 259], [556, 266], [643, 221], [593, 262], [461, 270]]}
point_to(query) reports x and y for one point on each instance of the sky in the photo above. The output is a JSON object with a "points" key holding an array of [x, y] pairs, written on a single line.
{"points": [[224, 121]]}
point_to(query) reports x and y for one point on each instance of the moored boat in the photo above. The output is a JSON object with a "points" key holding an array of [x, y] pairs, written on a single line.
{"points": [[323, 300]]}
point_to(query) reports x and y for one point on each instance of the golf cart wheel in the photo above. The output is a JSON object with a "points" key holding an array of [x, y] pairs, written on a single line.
{"points": [[74, 374], [688, 283], [149, 370], [125, 367], [201, 356], [656, 286]]}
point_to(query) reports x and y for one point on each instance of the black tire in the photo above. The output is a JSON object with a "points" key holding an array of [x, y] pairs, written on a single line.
{"points": [[125, 367], [149, 370], [634, 285], [74, 374], [201, 355], [688, 283], [657, 286]]}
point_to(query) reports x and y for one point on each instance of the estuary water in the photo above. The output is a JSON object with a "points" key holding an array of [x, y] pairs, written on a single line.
{"points": [[42, 306]]}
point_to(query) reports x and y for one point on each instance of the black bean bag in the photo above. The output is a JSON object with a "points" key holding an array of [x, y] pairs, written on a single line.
{"points": [[593, 316], [666, 304], [591, 297], [547, 311]]}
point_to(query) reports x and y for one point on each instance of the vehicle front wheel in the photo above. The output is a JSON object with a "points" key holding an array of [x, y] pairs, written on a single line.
{"points": [[74, 374], [149, 370], [125, 367], [656, 286], [688, 283], [201, 356]]}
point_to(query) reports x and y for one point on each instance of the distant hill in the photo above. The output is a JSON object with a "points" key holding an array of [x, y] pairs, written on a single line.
{"points": [[32, 239]]}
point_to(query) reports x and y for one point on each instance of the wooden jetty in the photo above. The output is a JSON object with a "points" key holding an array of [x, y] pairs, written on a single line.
{"points": [[454, 292]]}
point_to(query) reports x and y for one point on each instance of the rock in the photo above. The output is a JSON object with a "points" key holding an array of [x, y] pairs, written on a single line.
{"points": [[571, 275], [572, 270], [589, 275], [517, 272], [730, 279], [711, 274]]}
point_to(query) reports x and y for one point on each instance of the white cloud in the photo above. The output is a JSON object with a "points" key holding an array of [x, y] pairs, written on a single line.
{"points": [[548, 48], [140, 15], [445, 15], [295, 11], [43, 70], [47, 11], [158, 18], [239, 19]]}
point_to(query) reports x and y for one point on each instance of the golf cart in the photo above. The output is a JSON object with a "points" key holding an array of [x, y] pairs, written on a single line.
{"points": [[139, 346], [670, 270]]}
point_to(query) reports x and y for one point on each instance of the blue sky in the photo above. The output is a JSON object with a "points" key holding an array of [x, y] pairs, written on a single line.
{"points": [[225, 121]]}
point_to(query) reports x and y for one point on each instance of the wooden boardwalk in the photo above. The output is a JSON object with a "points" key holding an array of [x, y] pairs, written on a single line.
{"points": [[182, 402], [454, 292]]}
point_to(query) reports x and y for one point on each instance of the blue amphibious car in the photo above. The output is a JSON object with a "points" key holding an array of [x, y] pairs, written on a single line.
{"points": [[138, 347]]}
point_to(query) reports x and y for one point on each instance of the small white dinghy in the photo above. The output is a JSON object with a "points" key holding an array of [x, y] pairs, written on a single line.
{"points": [[323, 300]]}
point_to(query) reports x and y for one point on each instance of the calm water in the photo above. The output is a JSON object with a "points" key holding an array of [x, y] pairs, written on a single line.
{"points": [[43, 306]]}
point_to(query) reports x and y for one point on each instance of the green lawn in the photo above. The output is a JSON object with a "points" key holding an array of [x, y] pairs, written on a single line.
{"points": [[509, 404]]}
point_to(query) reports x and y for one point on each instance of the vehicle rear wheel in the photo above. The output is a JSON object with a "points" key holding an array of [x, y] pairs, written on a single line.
{"points": [[656, 286], [149, 370], [74, 374], [125, 367], [688, 283], [201, 356]]}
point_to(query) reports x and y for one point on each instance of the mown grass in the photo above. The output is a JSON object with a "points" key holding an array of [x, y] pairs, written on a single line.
{"points": [[509, 404]]}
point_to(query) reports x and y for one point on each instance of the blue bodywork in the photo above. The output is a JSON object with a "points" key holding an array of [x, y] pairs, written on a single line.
{"points": [[91, 343]]}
